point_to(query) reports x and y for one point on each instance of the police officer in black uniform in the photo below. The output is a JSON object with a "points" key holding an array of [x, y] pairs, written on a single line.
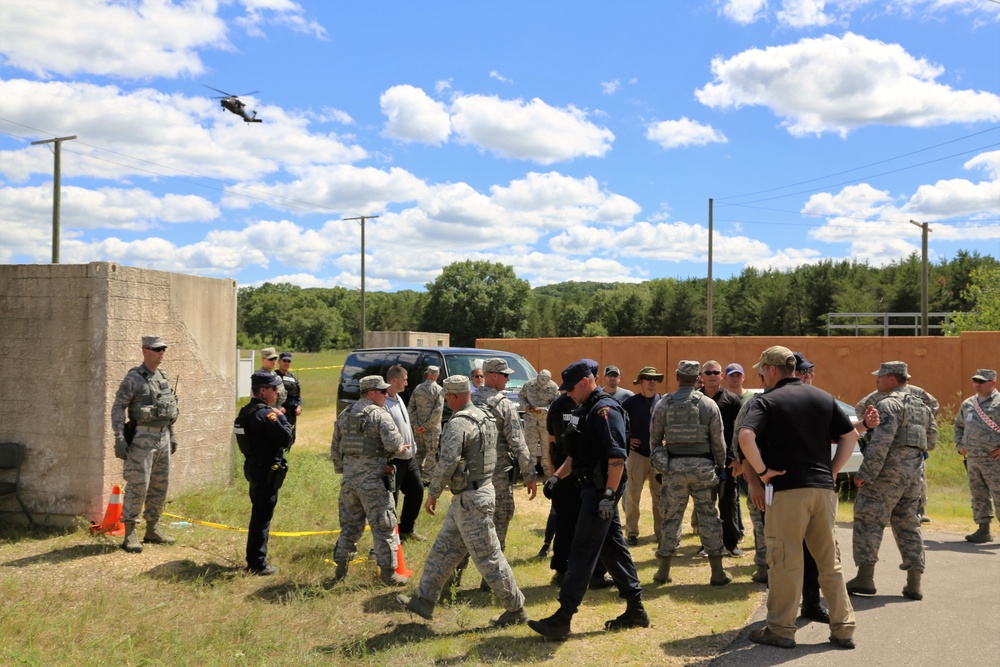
{"points": [[293, 398], [263, 435], [596, 460]]}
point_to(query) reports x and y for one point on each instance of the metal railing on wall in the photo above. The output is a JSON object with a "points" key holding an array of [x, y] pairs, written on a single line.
{"points": [[881, 324]]}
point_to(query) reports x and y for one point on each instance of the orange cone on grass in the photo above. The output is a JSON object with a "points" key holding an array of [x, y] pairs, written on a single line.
{"points": [[112, 524], [400, 562]]}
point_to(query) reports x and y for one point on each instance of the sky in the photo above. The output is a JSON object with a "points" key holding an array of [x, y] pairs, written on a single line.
{"points": [[571, 140]]}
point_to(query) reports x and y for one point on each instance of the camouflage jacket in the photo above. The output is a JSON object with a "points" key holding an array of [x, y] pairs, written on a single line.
{"points": [[971, 431], [426, 405], [536, 395], [381, 424]]}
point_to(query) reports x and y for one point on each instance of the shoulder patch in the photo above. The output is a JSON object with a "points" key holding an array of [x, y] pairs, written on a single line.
{"points": [[272, 416], [603, 411]]}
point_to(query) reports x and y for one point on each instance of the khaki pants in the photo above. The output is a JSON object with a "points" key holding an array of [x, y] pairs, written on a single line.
{"points": [[796, 515], [640, 471]]}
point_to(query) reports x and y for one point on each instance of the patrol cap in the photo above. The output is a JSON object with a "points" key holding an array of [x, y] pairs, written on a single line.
{"points": [[576, 371], [612, 370], [370, 382], [153, 341], [432, 370], [497, 365], [269, 353], [544, 375], [688, 367], [260, 379], [802, 364], [457, 384], [649, 372], [986, 375], [734, 368], [776, 355], [892, 368], [285, 356]]}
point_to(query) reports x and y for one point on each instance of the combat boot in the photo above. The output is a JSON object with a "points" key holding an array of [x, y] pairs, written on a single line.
{"points": [[760, 576], [341, 572], [156, 536], [719, 576], [555, 626], [662, 575], [864, 583], [419, 606], [131, 544], [389, 577], [912, 587], [515, 617], [812, 607], [635, 616], [982, 535]]}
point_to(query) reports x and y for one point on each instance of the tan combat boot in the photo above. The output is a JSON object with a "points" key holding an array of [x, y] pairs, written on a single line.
{"points": [[131, 544], [719, 576], [982, 535], [156, 536], [912, 587], [864, 583], [662, 575]]}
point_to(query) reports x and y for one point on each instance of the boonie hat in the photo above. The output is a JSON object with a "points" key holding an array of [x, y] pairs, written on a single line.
{"points": [[260, 379], [370, 382], [650, 372], [457, 384]]}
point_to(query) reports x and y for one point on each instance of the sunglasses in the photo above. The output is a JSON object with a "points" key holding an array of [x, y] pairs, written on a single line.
{"points": [[477, 377], [978, 381], [649, 379], [384, 391], [156, 349], [711, 372]]}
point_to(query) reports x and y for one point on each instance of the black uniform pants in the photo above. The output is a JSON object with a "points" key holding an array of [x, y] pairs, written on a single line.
{"points": [[291, 417], [729, 510], [263, 500], [409, 481]]}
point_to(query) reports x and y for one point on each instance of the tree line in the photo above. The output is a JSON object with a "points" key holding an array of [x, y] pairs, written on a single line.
{"points": [[480, 299]]}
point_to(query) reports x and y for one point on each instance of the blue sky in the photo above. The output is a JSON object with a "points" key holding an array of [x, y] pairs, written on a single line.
{"points": [[572, 140]]}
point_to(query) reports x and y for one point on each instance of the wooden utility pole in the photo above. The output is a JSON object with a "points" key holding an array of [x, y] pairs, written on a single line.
{"points": [[924, 277], [708, 327], [364, 326], [56, 187]]}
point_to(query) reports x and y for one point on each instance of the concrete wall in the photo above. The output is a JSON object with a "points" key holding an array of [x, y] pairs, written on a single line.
{"points": [[68, 336], [942, 365]]}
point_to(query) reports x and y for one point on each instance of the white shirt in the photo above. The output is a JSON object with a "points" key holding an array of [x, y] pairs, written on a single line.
{"points": [[396, 408]]}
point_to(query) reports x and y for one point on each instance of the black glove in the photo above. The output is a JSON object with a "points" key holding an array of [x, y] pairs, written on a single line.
{"points": [[173, 446], [121, 448], [549, 489], [606, 509], [720, 472]]}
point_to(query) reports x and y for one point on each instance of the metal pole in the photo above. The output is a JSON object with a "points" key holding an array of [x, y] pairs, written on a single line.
{"points": [[364, 328], [56, 189], [924, 277], [708, 327]]}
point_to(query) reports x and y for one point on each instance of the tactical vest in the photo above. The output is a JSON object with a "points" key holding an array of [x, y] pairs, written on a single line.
{"points": [[504, 457], [240, 432], [684, 432], [157, 404], [913, 420], [356, 440], [478, 453]]}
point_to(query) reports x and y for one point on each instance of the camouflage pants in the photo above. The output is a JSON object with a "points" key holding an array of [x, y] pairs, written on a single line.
{"points": [[984, 482], [147, 473], [468, 530], [364, 499], [759, 544], [894, 498], [694, 477], [504, 506], [427, 451], [536, 435]]}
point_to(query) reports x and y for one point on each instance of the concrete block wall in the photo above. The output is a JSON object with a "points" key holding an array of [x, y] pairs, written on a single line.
{"points": [[68, 336]]}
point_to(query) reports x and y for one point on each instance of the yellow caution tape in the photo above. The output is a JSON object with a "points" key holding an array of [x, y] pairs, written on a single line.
{"points": [[315, 368], [276, 533]]}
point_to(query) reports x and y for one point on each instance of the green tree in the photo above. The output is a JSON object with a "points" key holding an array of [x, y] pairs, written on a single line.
{"points": [[984, 293], [312, 325]]}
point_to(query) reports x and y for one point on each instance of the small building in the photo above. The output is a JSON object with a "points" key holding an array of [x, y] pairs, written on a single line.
{"points": [[407, 339]]}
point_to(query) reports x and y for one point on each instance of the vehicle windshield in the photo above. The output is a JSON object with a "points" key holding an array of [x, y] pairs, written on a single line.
{"points": [[462, 364]]}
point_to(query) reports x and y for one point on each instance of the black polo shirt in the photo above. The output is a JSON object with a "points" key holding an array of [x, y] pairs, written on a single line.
{"points": [[795, 424], [640, 413], [555, 422], [729, 405]]}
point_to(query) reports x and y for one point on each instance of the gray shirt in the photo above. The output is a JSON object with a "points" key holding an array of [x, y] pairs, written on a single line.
{"points": [[396, 408]]}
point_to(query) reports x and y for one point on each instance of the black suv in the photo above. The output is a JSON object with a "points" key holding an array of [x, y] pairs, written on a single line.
{"points": [[451, 361]]}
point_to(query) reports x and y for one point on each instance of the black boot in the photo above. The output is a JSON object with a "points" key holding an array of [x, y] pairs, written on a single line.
{"points": [[635, 616], [555, 626], [812, 607]]}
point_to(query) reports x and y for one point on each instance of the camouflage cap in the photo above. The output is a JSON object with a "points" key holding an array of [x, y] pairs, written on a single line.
{"points": [[268, 353], [776, 355], [649, 372], [370, 382], [432, 370], [545, 375], [153, 341], [688, 367], [986, 375], [260, 379], [497, 365], [457, 384], [892, 368]]}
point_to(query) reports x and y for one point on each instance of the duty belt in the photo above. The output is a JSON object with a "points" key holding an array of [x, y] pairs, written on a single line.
{"points": [[150, 429], [693, 456], [475, 486]]}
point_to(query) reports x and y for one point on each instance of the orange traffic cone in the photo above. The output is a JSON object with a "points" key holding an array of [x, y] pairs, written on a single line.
{"points": [[400, 561], [112, 524]]}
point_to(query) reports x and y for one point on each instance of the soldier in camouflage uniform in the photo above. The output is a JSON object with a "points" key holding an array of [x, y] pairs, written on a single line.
{"points": [[977, 437], [293, 391], [425, 408], [268, 362], [687, 448], [466, 462], [889, 482], [535, 397], [365, 439], [146, 443]]}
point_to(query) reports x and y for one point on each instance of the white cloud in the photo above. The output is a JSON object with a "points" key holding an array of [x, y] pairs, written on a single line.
{"points": [[609, 87], [955, 197], [743, 12], [836, 84], [803, 13], [555, 201], [682, 133], [414, 116], [282, 12], [443, 85], [499, 77], [859, 200]]}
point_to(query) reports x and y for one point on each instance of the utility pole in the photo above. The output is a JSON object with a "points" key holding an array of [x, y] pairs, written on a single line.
{"points": [[708, 327], [56, 187], [924, 275], [364, 329]]}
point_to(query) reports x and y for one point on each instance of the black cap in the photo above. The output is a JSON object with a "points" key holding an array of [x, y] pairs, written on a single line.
{"points": [[285, 356], [576, 371], [802, 364], [260, 379]]}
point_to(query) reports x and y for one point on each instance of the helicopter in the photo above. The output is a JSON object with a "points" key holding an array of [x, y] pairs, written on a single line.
{"points": [[232, 103]]}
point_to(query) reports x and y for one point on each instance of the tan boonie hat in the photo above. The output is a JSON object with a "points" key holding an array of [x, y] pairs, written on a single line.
{"points": [[986, 375], [432, 370], [497, 366], [688, 367], [153, 341], [776, 355], [269, 353], [370, 382], [892, 368], [650, 372], [457, 384]]}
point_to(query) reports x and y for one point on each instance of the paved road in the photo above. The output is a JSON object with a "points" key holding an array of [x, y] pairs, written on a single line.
{"points": [[957, 624]]}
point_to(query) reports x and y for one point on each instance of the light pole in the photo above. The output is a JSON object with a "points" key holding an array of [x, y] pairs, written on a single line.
{"points": [[924, 275], [56, 187], [364, 330]]}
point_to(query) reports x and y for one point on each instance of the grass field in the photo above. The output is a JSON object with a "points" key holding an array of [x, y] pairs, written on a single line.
{"points": [[70, 598]]}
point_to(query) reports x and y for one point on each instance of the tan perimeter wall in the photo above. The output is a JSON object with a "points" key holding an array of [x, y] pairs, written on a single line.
{"points": [[943, 366], [68, 335]]}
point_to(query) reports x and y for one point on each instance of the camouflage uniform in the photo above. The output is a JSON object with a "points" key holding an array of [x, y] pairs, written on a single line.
{"points": [[363, 495], [147, 462], [538, 393], [979, 439], [510, 445], [692, 460], [756, 516], [425, 408], [282, 392], [468, 526], [891, 476]]}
